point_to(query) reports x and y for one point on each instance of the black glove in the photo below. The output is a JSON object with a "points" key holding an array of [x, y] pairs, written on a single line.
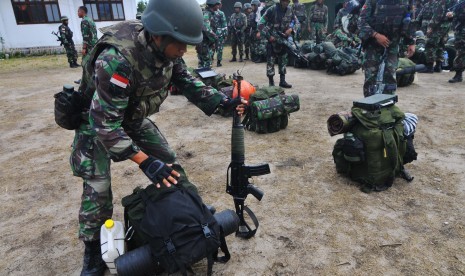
{"points": [[228, 104], [155, 169]]}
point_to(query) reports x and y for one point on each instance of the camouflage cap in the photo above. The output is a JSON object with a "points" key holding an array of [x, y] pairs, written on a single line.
{"points": [[63, 18], [238, 5]]}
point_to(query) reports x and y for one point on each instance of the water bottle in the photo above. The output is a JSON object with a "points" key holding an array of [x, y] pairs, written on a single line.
{"points": [[406, 23], [111, 242], [445, 63]]}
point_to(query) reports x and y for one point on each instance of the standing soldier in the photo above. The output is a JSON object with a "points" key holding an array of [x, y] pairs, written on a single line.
{"points": [[424, 16], [221, 33], [458, 15], [301, 14], [67, 39], [382, 24], [255, 51], [88, 30], [205, 49], [237, 26], [278, 19], [438, 30], [248, 30], [318, 21]]}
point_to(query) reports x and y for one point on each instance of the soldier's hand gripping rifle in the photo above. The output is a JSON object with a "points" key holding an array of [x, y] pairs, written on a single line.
{"points": [[59, 38], [290, 46], [237, 183]]}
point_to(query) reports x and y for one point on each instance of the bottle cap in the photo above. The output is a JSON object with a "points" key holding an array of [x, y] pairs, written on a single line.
{"points": [[109, 223]]}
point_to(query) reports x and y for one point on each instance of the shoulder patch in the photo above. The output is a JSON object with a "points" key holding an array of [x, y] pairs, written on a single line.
{"points": [[119, 80]]}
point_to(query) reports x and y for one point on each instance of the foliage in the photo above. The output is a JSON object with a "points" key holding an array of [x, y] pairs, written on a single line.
{"points": [[2, 42], [141, 5]]}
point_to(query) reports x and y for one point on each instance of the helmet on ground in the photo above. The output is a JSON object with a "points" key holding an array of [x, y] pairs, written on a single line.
{"points": [[247, 6], [63, 18], [184, 23], [238, 5]]}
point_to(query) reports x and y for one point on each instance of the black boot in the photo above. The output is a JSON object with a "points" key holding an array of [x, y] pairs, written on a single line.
{"points": [[233, 59], [76, 64], [240, 59], [218, 63], [283, 83], [271, 80], [93, 264], [246, 56], [77, 81], [438, 67], [73, 65], [429, 69], [458, 77]]}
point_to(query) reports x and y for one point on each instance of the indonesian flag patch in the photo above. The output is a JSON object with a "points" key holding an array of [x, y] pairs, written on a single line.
{"points": [[119, 80]]}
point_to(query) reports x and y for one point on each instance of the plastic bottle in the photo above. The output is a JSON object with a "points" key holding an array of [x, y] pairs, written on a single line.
{"points": [[111, 242], [406, 23], [445, 63]]}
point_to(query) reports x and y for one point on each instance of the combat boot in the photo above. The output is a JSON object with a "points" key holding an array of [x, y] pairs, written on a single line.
{"points": [[246, 56], [438, 67], [218, 63], [429, 69], [93, 263], [283, 83], [458, 77], [233, 59], [73, 65], [271, 80], [240, 59]]}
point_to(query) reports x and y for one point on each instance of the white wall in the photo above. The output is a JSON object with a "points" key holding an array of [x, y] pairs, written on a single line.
{"points": [[39, 35]]}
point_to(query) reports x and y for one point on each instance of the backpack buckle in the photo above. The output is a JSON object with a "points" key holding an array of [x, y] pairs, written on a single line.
{"points": [[170, 246], [206, 230]]}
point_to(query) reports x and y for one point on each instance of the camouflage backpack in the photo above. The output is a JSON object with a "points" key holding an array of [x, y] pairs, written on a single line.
{"points": [[269, 110], [344, 61]]}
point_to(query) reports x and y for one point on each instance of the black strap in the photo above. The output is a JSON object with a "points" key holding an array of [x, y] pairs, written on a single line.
{"points": [[224, 249], [250, 233]]}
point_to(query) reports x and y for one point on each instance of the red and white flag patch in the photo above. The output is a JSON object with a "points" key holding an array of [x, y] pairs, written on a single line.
{"points": [[119, 80]]}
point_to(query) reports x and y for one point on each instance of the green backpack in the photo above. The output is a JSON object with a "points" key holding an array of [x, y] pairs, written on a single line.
{"points": [[372, 153], [344, 61], [269, 110], [405, 79]]}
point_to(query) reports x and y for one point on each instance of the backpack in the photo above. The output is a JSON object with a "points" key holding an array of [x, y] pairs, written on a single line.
{"points": [[405, 79], [269, 110], [179, 229], [372, 153], [344, 61], [69, 104]]}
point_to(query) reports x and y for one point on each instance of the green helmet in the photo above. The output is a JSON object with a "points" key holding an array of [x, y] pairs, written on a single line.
{"points": [[255, 2], [183, 23], [238, 5], [213, 2], [247, 6], [63, 18]]}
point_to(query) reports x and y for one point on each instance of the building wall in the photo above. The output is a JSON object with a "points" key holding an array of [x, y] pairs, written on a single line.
{"points": [[39, 35]]}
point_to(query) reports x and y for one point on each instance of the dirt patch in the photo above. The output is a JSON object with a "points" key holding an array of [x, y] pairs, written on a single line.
{"points": [[313, 221]]}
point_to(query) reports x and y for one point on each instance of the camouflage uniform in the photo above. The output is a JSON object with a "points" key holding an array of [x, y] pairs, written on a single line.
{"points": [[459, 44], [116, 125], [340, 37], [205, 49], [270, 22], [386, 20], [440, 26], [248, 38], [89, 33], [318, 22], [237, 25], [301, 14], [424, 16], [67, 39], [221, 31]]}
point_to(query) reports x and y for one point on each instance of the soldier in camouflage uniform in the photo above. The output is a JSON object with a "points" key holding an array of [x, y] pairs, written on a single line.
{"points": [[221, 26], [237, 25], [258, 45], [205, 49], [318, 21], [278, 19], [248, 30], [424, 16], [381, 27], [437, 33], [66, 36], [458, 15], [344, 34], [135, 62], [88, 30], [301, 14]]}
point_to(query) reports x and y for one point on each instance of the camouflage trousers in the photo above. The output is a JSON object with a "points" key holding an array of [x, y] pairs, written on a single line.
{"points": [[248, 40], [372, 60], [435, 44], [219, 46], [258, 49], [459, 44], [71, 52], [204, 54], [90, 161], [318, 32], [237, 42], [271, 57]]}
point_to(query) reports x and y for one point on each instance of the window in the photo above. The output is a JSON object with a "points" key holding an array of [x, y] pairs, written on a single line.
{"points": [[105, 10], [36, 11]]}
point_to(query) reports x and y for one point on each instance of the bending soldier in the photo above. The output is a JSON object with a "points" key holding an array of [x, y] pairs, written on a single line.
{"points": [[318, 21], [237, 26], [345, 26], [67, 40]]}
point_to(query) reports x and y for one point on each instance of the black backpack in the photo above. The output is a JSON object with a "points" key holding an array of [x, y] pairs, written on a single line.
{"points": [[179, 229]]}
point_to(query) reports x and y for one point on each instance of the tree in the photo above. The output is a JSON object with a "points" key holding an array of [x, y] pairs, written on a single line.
{"points": [[141, 5]]}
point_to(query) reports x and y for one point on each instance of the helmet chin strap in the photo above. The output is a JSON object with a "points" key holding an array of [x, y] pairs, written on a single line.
{"points": [[165, 41]]}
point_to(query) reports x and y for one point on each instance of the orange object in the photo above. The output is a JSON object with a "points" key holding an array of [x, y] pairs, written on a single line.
{"points": [[247, 89]]}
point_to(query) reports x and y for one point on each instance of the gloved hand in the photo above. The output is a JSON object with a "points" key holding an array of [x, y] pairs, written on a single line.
{"points": [[158, 172], [228, 104]]}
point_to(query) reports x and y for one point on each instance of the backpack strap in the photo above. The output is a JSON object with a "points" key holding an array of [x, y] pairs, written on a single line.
{"points": [[224, 249]]}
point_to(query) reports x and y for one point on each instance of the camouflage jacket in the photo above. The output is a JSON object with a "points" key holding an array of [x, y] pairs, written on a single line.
{"points": [[299, 11], [251, 23], [89, 32], [338, 19], [132, 78], [439, 11], [66, 34], [238, 22], [385, 19], [425, 14], [318, 14], [277, 20], [208, 28], [459, 21], [221, 24]]}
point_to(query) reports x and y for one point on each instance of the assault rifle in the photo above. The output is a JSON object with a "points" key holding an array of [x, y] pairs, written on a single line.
{"points": [[290, 46], [238, 174], [59, 38]]}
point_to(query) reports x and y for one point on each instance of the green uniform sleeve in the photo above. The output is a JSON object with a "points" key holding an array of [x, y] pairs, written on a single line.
{"points": [[366, 31]]}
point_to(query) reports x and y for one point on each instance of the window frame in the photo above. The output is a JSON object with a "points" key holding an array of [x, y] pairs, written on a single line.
{"points": [[42, 5], [96, 7]]}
